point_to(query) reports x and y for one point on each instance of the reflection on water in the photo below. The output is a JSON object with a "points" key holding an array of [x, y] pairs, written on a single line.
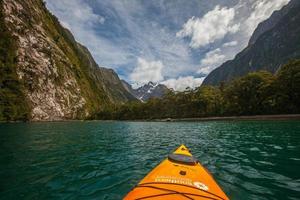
{"points": [[104, 160]]}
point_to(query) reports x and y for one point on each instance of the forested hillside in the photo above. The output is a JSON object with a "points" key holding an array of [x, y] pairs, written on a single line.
{"points": [[253, 94]]}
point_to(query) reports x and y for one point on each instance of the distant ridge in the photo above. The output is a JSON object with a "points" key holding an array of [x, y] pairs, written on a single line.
{"points": [[147, 91]]}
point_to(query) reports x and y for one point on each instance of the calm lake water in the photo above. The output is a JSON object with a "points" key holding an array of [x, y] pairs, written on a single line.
{"points": [[104, 160]]}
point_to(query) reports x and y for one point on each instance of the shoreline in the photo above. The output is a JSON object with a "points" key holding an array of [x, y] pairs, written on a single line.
{"points": [[196, 119], [235, 118]]}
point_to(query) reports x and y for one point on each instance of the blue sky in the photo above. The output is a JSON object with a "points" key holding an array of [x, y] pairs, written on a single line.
{"points": [[175, 42]]}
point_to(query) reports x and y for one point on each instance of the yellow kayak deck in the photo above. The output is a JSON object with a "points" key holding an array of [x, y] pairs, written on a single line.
{"points": [[180, 176]]}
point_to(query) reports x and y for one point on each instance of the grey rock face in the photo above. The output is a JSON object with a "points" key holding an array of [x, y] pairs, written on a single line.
{"points": [[60, 77]]}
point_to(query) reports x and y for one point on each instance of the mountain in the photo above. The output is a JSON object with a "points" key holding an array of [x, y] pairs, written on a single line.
{"points": [[273, 43], [147, 91], [151, 90], [272, 21], [45, 73]]}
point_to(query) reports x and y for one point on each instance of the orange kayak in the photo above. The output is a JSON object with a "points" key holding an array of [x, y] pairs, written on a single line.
{"points": [[180, 176]]}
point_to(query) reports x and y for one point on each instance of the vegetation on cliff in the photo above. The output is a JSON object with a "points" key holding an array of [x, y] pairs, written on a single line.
{"points": [[99, 86], [45, 73], [13, 104], [253, 94]]}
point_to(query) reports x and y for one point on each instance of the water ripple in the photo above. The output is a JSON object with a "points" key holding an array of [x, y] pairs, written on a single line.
{"points": [[104, 160]]}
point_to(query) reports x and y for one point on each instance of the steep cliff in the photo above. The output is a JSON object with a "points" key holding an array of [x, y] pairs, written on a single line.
{"points": [[269, 23], [46, 74], [274, 43]]}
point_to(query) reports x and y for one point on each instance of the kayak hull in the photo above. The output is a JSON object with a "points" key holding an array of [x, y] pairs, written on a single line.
{"points": [[178, 178]]}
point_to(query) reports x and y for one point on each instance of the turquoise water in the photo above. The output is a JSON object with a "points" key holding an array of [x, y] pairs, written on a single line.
{"points": [[104, 160]]}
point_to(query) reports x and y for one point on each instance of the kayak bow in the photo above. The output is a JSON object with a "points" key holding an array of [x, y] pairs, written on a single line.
{"points": [[180, 176]]}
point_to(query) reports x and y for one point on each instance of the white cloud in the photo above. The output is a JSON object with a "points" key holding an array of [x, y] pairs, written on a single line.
{"points": [[146, 71], [262, 9], [211, 60], [230, 44], [181, 83], [119, 32], [153, 40], [212, 26], [76, 11], [136, 36]]}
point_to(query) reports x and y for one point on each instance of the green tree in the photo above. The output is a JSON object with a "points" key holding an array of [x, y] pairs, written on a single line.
{"points": [[250, 94], [208, 101], [288, 88], [255, 93]]}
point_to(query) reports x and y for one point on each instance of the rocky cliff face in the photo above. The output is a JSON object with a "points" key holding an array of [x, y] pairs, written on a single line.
{"points": [[147, 91], [270, 23], [57, 77], [274, 43]]}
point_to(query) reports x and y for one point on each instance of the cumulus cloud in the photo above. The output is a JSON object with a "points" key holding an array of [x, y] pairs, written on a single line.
{"points": [[182, 83], [230, 44], [146, 71], [262, 9], [212, 26], [211, 60]]}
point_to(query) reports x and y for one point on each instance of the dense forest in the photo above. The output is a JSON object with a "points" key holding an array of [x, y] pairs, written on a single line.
{"points": [[253, 94]]}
